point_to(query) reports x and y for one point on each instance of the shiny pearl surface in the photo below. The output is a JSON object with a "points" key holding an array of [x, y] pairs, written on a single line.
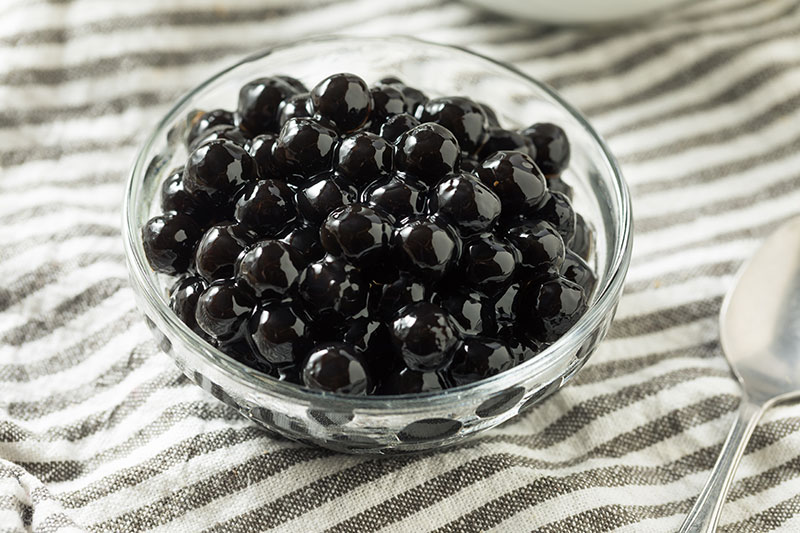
{"points": [[558, 304], [466, 203], [396, 126], [217, 169], [304, 147], [427, 248], [575, 269], [318, 198], [476, 358], [359, 233], [335, 367], [183, 300], [364, 157], [280, 334], [400, 196], [557, 210], [428, 152], [487, 262], [514, 178], [552, 147], [344, 99], [206, 121], [270, 269], [219, 249], [265, 207], [259, 102], [222, 309], [169, 242], [424, 336], [331, 288], [540, 245], [472, 311], [463, 117], [298, 105]]}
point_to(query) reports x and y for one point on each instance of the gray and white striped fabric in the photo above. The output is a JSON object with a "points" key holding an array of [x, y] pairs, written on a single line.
{"points": [[99, 432]]}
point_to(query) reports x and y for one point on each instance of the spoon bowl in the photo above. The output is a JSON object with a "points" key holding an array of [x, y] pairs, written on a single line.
{"points": [[760, 318], [760, 335]]}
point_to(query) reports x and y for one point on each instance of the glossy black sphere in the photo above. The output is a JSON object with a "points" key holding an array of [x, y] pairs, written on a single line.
{"points": [[327, 192], [359, 233], [514, 178], [476, 358], [487, 262], [463, 117], [222, 132], [507, 304], [222, 309], [279, 334], [217, 169], [265, 207], [575, 269], [394, 127], [387, 101], [500, 139], [400, 196], [261, 150], [305, 240], [466, 203], [414, 98], [428, 151], [219, 249], [427, 248], [364, 157], [368, 336], [522, 347], [471, 311], [333, 290], [336, 367], [583, 241], [304, 147], [174, 197], [557, 210], [206, 121], [424, 336], [552, 147], [557, 305], [540, 245], [298, 85], [183, 300], [259, 102], [389, 80], [296, 106], [169, 241], [557, 184], [491, 115], [344, 99], [398, 294], [270, 269]]}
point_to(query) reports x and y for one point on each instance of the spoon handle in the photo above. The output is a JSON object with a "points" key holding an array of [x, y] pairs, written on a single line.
{"points": [[704, 515]]}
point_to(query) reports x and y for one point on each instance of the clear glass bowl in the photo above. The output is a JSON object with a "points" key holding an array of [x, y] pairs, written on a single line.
{"points": [[389, 424]]}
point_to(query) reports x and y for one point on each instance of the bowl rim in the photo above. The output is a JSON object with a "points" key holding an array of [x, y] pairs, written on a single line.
{"points": [[142, 278]]}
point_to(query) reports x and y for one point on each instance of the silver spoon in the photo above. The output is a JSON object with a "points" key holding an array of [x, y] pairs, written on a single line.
{"points": [[760, 334]]}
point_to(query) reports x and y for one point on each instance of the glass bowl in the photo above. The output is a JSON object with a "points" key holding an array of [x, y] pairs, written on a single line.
{"points": [[405, 423]]}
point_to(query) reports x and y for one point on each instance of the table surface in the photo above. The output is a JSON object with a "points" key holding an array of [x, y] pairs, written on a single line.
{"points": [[99, 432]]}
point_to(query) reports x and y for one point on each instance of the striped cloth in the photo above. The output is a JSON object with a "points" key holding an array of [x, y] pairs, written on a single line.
{"points": [[99, 432]]}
